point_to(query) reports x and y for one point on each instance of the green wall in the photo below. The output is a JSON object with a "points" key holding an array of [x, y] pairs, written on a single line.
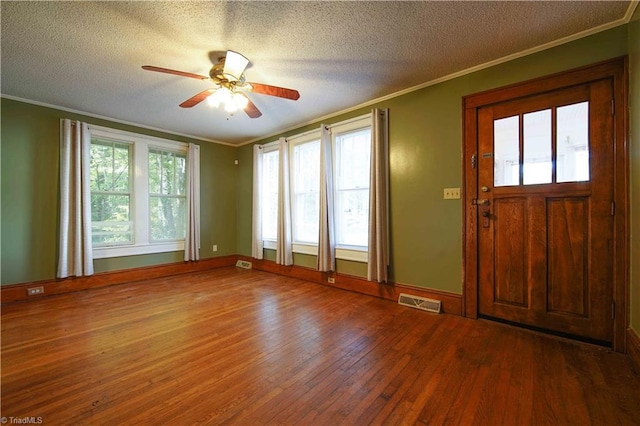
{"points": [[425, 150], [634, 131], [29, 195]]}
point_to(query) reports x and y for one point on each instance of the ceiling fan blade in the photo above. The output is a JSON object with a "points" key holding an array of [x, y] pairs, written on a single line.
{"points": [[280, 92], [234, 65], [196, 99], [252, 110], [174, 72]]}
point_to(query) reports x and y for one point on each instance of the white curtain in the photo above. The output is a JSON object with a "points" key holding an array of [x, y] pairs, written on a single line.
{"points": [[379, 198], [192, 237], [326, 241], [257, 245], [284, 250], [75, 251]]}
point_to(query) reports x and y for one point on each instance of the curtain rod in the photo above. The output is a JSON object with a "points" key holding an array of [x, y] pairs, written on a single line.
{"points": [[340, 123], [350, 120], [301, 135]]}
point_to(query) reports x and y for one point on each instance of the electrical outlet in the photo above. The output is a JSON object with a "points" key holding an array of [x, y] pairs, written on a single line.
{"points": [[331, 280], [452, 193], [35, 291], [215, 247]]}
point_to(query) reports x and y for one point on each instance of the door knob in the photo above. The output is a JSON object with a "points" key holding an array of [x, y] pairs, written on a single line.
{"points": [[485, 189], [485, 213]]}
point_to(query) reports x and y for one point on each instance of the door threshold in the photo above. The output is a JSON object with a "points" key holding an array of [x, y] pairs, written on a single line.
{"points": [[550, 333]]}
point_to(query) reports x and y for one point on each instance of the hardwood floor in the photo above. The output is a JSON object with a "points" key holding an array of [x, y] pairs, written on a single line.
{"points": [[232, 346]]}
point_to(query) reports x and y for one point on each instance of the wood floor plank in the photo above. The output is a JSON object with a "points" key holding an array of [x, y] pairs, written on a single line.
{"points": [[234, 346]]}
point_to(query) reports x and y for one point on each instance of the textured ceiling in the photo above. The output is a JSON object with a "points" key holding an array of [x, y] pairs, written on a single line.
{"points": [[86, 56]]}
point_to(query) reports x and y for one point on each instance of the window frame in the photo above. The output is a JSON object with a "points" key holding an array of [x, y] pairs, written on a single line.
{"points": [[299, 246], [103, 141], [139, 187], [269, 243], [176, 195], [343, 252]]}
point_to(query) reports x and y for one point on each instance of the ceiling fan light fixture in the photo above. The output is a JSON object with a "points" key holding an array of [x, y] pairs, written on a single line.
{"points": [[230, 107], [228, 99], [221, 96], [234, 65], [240, 100]]}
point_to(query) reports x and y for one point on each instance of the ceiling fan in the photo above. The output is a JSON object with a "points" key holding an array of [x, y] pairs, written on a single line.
{"points": [[231, 88]]}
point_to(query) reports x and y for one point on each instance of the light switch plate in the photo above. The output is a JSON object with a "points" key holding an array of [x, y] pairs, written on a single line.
{"points": [[452, 193]]}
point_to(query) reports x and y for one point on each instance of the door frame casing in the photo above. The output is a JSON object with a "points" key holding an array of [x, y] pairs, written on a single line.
{"points": [[615, 69]]}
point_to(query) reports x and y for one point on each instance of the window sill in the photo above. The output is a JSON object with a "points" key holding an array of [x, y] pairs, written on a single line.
{"points": [[350, 253], [305, 249], [133, 250]]}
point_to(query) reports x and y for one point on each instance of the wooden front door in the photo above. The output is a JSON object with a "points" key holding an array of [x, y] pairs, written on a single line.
{"points": [[545, 209]]}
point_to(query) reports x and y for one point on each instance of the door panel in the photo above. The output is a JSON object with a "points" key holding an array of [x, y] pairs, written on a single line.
{"points": [[510, 281], [545, 226], [568, 235]]}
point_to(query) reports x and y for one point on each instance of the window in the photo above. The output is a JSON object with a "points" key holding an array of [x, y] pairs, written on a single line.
{"points": [[167, 195], [110, 177], [352, 150], [537, 162], [269, 189], [305, 190], [138, 193], [557, 136], [573, 142], [507, 151], [351, 142]]}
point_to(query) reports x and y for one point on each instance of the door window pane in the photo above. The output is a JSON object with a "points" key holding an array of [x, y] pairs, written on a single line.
{"points": [[537, 147], [573, 143], [506, 142]]}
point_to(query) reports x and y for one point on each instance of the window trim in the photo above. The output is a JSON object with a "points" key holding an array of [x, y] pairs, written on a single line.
{"points": [[308, 137], [350, 253], [151, 195], [129, 193], [140, 145], [353, 125], [269, 242]]}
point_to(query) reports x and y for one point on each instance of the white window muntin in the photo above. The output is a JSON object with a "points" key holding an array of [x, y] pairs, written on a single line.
{"points": [[305, 186], [140, 193]]}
